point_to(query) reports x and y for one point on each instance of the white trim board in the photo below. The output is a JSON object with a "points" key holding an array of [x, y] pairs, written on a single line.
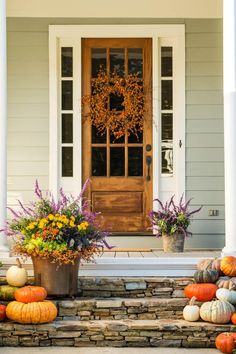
{"points": [[71, 35]]}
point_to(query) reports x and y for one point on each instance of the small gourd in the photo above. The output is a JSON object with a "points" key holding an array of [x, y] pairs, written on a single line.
{"points": [[30, 293], [206, 276], [191, 312], [213, 263], [202, 292], [216, 311], [226, 295], [7, 292], [16, 275]]}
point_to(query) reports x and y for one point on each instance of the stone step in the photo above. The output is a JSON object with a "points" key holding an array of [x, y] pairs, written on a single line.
{"points": [[136, 287], [104, 333], [118, 308]]}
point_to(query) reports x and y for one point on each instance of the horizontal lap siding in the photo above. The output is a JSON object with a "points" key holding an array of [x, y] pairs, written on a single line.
{"points": [[28, 110], [204, 130]]}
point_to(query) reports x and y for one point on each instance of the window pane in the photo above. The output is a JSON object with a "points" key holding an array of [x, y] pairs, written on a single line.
{"points": [[116, 102], [117, 62], [166, 61], [135, 61], [166, 94], [67, 161], [99, 161], [136, 138], [97, 138], [67, 95], [135, 161], [66, 62], [98, 60], [67, 128], [113, 140], [166, 127], [117, 161], [167, 158]]}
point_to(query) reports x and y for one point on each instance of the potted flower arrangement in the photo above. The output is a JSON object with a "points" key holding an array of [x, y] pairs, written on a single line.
{"points": [[56, 234], [171, 222]]}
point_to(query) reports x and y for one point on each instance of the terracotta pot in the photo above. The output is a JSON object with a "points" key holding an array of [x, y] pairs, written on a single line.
{"points": [[173, 243], [58, 280]]}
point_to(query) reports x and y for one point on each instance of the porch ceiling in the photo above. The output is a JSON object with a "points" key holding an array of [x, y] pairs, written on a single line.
{"points": [[122, 9]]}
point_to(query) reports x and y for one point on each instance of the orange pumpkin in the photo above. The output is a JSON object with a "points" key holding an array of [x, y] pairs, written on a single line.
{"points": [[228, 266], [233, 319], [202, 292], [225, 342], [33, 312], [30, 294]]}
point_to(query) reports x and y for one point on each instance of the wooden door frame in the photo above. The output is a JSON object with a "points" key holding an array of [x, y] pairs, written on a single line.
{"points": [[162, 35]]}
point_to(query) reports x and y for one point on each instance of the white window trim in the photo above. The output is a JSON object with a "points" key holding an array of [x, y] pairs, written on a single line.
{"points": [[71, 35]]}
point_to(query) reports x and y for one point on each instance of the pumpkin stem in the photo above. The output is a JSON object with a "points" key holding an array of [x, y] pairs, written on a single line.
{"points": [[192, 301], [18, 262]]}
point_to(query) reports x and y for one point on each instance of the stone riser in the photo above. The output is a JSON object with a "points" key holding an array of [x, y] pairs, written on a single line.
{"points": [[159, 333], [116, 309], [133, 287]]}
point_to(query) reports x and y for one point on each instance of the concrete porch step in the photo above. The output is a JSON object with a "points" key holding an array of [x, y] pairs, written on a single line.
{"points": [[122, 333], [118, 308]]}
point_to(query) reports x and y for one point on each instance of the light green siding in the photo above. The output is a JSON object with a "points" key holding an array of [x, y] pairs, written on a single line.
{"points": [[28, 111]]}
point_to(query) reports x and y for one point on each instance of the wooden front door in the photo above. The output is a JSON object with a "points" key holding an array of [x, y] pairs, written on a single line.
{"points": [[120, 170]]}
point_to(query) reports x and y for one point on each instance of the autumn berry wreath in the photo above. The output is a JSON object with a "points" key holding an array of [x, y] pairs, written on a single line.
{"points": [[128, 91]]}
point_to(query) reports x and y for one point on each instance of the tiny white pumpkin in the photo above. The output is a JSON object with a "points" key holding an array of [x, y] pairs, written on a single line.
{"points": [[226, 295], [16, 275], [191, 312]]}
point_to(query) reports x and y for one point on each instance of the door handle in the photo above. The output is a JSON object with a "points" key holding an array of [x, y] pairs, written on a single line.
{"points": [[148, 162]]}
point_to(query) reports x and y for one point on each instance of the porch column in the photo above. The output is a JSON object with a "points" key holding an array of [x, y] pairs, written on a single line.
{"points": [[4, 250], [230, 125]]}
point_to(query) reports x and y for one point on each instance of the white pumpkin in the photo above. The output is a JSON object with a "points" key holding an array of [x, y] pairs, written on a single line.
{"points": [[191, 312], [216, 311], [226, 295], [16, 275]]}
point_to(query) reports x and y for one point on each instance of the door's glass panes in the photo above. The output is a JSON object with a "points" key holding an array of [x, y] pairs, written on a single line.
{"points": [[98, 60], [135, 138], [166, 94], [166, 127], [113, 139], [117, 161], [66, 62], [135, 161], [117, 61], [116, 102], [135, 61], [97, 138], [67, 95], [99, 161], [67, 128], [166, 61], [167, 158], [67, 161]]}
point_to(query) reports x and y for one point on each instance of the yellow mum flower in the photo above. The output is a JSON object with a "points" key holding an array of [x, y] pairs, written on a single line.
{"points": [[72, 224], [59, 225], [50, 217], [72, 218], [83, 226]]}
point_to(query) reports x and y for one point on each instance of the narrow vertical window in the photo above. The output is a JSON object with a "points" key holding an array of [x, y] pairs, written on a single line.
{"points": [[167, 110], [67, 111]]}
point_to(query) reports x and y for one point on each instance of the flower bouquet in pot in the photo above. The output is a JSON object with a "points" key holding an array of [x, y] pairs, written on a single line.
{"points": [[171, 221], [56, 234]]}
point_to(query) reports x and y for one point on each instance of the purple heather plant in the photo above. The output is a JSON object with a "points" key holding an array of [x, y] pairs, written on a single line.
{"points": [[171, 218]]}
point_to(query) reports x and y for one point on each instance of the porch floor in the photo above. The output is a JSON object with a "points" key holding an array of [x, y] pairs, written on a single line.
{"points": [[135, 263]]}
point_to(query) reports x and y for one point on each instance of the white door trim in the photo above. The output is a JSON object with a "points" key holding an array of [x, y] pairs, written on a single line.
{"points": [[71, 35]]}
